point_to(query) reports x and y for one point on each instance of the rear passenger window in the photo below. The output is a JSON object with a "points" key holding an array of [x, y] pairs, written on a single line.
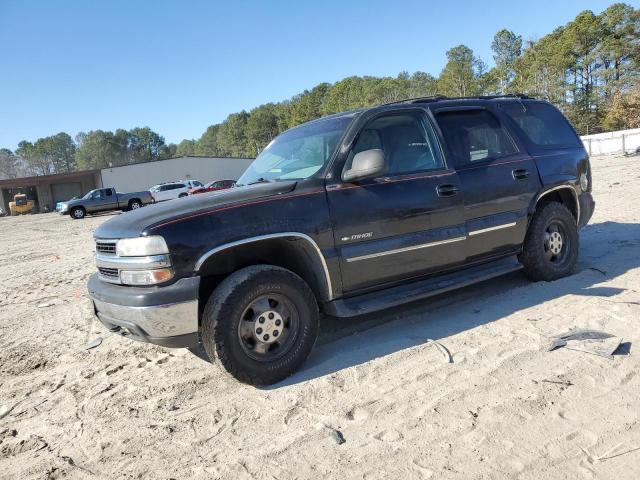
{"points": [[474, 136], [407, 140], [542, 124]]}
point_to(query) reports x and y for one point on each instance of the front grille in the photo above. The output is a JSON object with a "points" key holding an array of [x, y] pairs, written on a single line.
{"points": [[109, 272], [106, 247]]}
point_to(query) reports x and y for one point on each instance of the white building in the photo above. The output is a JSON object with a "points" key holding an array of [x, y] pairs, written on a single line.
{"points": [[142, 176]]}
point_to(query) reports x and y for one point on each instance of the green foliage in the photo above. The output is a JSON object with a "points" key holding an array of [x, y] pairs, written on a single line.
{"points": [[459, 77], [101, 149], [185, 148], [507, 47], [589, 68], [8, 164]]}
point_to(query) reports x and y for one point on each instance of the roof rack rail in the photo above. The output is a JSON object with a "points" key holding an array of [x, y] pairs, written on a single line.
{"points": [[435, 98]]}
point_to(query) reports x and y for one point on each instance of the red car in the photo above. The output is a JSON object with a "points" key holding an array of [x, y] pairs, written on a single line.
{"points": [[213, 186]]}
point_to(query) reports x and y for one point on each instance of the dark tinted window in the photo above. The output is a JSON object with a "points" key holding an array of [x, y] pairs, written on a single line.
{"points": [[407, 140], [474, 136], [543, 124], [109, 192]]}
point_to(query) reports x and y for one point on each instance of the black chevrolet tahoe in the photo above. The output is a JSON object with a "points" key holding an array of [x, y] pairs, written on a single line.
{"points": [[346, 215]]}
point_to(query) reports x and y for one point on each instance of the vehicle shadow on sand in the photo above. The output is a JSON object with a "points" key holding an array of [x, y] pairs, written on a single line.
{"points": [[607, 250]]}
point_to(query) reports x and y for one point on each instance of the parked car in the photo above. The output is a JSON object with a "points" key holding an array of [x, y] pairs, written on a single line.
{"points": [[346, 215], [170, 190], [214, 186], [103, 200]]}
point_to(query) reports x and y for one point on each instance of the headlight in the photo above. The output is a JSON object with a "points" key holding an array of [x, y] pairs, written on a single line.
{"points": [[141, 247], [146, 277]]}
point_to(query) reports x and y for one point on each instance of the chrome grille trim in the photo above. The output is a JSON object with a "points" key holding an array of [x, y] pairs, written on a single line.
{"points": [[132, 263], [107, 247]]}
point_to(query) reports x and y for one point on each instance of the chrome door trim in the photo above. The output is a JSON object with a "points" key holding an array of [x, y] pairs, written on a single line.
{"points": [[491, 229], [405, 249], [258, 238]]}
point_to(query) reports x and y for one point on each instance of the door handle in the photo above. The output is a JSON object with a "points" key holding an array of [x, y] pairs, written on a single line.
{"points": [[446, 190], [519, 174]]}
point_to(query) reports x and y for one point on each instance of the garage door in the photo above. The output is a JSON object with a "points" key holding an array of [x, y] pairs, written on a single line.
{"points": [[65, 191]]}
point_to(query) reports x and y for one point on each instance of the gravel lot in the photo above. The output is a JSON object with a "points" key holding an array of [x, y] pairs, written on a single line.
{"points": [[505, 407]]}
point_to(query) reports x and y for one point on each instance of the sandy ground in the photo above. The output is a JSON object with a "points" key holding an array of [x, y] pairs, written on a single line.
{"points": [[505, 407]]}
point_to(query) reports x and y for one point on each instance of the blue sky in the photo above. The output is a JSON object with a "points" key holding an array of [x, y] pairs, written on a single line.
{"points": [[179, 66]]}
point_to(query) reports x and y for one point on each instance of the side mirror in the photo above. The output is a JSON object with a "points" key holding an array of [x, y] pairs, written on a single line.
{"points": [[369, 163]]}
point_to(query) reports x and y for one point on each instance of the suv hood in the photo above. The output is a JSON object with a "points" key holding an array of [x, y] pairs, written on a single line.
{"points": [[134, 223]]}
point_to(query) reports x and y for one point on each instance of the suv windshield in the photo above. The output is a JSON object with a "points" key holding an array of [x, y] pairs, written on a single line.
{"points": [[298, 153]]}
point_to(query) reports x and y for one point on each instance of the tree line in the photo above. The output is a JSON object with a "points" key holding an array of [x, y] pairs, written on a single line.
{"points": [[589, 68]]}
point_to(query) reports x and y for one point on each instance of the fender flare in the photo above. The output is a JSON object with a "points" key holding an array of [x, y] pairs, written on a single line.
{"points": [[555, 189], [306, 238]]}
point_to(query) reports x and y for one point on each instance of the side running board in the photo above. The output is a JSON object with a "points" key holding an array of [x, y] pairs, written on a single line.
{"points": [[418, 290]]}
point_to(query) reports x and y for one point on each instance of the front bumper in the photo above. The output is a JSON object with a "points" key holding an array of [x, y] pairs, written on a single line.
{"points": [[166, 316]]}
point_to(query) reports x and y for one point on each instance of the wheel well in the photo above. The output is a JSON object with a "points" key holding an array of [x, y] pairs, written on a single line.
{"points": [[134, 200], [293, 253], [561, 195], [78, 207]]}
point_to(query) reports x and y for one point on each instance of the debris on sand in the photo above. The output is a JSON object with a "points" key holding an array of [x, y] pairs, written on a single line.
{"points": [[94, 343], [595, 342], [338, 436], [447, 354], [4, 411]]}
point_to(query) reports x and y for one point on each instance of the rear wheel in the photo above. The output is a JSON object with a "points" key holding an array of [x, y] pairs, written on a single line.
{"points": [[182, 195], [551, 246], [135, 204], [78, 213], [261, 323]]}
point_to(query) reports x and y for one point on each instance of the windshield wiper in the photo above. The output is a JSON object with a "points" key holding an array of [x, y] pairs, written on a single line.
{"points": [[260, 180]]}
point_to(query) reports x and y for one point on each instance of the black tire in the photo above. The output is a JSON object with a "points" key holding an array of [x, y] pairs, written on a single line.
{"points": [[135, 204], [182, 195], [231, 304], [78, 213], [552, 243]]}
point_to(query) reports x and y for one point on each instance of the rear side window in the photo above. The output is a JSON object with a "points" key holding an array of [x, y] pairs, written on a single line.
{"points": [[543, 125], [474, 136]]}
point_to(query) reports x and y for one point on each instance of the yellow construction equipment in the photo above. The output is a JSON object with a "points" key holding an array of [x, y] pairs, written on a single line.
{"points": [[21, 205]]}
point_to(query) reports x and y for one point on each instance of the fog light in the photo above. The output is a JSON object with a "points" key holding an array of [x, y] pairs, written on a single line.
{"points": [[146, 277]]}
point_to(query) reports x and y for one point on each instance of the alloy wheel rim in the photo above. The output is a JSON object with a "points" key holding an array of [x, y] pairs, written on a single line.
{"points": [[268, 327]]}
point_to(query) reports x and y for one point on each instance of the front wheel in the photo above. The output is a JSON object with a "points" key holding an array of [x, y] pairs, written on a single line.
{"points": [[261, 323], [78, 213], [551, 246]]}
